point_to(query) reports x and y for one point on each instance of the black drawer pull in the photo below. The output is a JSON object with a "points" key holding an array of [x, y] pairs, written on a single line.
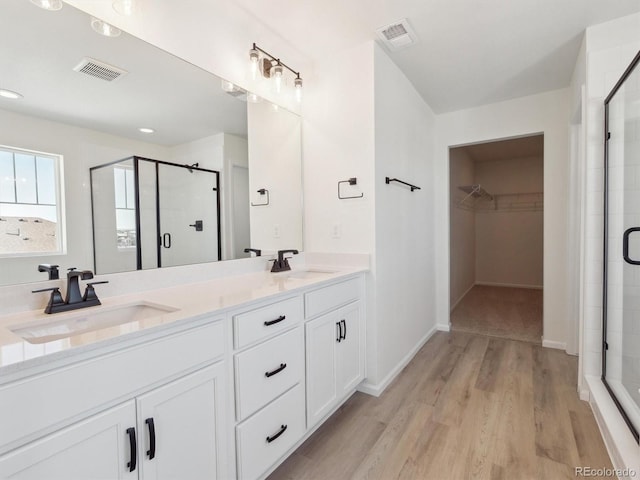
{"points": [[339, 325], [132, 448], [344, 331], [152, 438], [277, 320], [282, 429], [277, 370], [625, 246]]}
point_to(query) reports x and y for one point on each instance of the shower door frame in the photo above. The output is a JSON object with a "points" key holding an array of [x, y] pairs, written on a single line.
{"points": [[136, 159], [605, 346]]}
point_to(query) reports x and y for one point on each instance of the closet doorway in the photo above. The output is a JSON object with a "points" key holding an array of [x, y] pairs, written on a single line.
{"points": [[496, 238]]}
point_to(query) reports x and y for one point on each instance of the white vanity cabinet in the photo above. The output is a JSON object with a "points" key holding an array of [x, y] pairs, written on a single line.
{"points": [[334, 350], [167, 430]]}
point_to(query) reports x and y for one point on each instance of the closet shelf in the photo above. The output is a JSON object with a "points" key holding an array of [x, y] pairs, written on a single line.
{"points": [[503, 202]]}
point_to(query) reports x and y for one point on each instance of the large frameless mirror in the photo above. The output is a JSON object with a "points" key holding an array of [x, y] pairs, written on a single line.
{"points": [[621, 339], [125, 157]]}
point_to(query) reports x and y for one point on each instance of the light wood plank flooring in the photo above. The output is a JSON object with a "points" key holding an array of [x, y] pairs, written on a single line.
{"points": [[466, 407], [506, 312]]}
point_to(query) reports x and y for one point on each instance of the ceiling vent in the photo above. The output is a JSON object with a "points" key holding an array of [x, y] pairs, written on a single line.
{"points": [[98, 69], [397, 35]]}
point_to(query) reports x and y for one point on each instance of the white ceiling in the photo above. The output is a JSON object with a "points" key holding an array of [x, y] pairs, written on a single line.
{"points": [[39, 49], [470, 52]]}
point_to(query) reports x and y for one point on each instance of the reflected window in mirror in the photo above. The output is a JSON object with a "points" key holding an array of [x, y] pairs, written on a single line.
{"points": [[124, 189], [30, 216]]}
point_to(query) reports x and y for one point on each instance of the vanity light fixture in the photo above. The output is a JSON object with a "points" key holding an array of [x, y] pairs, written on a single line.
{"points": [[272, 67], [51, 5], [125, 7], [146, 130], [9, 94], [103, 28]]}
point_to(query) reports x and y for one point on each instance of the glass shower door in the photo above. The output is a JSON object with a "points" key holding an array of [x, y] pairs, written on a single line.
{"points": [[621, 345], [188, 216]]}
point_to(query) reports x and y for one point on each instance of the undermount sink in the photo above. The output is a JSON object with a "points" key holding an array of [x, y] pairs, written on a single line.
{"points": [[308, 274], [89, 320]]}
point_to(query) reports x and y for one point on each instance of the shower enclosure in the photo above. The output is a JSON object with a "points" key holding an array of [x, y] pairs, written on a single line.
{"points": [[621, 293], [150, 213]]}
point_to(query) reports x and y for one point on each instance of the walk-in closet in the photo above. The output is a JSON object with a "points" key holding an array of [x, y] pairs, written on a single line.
{"points": [[496, 238]]}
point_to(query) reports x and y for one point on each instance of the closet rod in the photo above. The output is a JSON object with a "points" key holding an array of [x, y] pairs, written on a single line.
{"points": [[388, 180]]}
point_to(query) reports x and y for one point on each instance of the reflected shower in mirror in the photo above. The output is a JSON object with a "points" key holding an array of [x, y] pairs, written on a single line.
{"points": [[148, 104]]}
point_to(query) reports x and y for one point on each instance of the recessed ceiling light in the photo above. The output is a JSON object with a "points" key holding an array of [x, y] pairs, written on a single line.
{"points": [[9, 94], [103, 28], [51, 5], [146, 130], [125, 7]]}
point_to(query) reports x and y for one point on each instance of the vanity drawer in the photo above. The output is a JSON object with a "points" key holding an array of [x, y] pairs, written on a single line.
{"points": [[255, 452], [329, 298], [250, 327], [268, 370], [54, 399]]}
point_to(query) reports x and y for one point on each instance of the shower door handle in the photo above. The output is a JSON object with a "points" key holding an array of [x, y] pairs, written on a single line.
{"points": [[166, 240], [625, 246]]}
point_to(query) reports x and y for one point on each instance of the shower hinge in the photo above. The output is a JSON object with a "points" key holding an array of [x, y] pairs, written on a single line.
{"points": [[606, 346], [608, 135]]}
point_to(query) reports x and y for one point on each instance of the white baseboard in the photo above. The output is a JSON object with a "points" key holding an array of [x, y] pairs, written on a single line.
{"points": [[461, 297], [619, 441], [377, 389], [554, 344], [585, 395], [512, 285], [443, 327]]}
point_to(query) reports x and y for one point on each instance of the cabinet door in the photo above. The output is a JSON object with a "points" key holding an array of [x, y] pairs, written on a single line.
{"points": [[322, 336], [95, 448], [181, 428], [350, 350]]}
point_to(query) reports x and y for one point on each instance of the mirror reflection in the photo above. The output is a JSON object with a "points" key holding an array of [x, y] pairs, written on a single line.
{"points": [[123, 157]]}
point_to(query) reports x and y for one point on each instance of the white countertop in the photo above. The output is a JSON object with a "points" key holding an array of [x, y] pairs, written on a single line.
{"points": [[191, 301]]}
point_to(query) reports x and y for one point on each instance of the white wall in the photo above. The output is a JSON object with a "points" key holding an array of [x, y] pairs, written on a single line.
{"points": [[544, 113], [405, 284], [81, 148], [509, 242], [462, 234], [275, 165]]}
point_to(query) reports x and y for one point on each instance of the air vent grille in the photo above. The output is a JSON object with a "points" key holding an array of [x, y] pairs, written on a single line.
{"points": [[397, 35], [97, 69], [394, 31]]}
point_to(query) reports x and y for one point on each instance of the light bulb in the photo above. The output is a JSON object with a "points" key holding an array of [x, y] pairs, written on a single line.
{"points": [[254, 58], [125, 7], [297, 83], [253, 98], [103, 28], [277, 72], [51, 5]]}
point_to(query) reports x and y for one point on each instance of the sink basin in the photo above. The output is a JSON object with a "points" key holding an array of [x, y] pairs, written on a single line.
{"points": [[91, 319], [308, 274]]}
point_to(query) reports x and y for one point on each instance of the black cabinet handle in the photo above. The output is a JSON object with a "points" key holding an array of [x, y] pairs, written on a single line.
{"points": [[277, 370], [339, 325], [132, 448], [625, 245], [277, 320], [344, 333], [152, 438], [282, 429]]}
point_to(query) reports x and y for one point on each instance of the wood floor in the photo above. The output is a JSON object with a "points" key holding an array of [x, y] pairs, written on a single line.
{"points": [[466, 407], [506, 312]]}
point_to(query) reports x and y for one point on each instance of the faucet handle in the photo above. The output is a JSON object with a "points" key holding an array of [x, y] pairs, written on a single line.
{"points": [[90, 292], [54, 300], [71, 269]]}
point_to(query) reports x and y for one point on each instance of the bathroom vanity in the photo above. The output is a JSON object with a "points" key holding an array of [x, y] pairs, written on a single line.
{"points": [[218, 379]]}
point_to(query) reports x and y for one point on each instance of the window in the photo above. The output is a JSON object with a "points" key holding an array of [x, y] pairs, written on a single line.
{"points": [[30, 217], [124, 190]]}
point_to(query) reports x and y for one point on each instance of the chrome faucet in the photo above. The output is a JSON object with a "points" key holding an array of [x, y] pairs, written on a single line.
{"points": [[281, 264], [74, 299]]}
